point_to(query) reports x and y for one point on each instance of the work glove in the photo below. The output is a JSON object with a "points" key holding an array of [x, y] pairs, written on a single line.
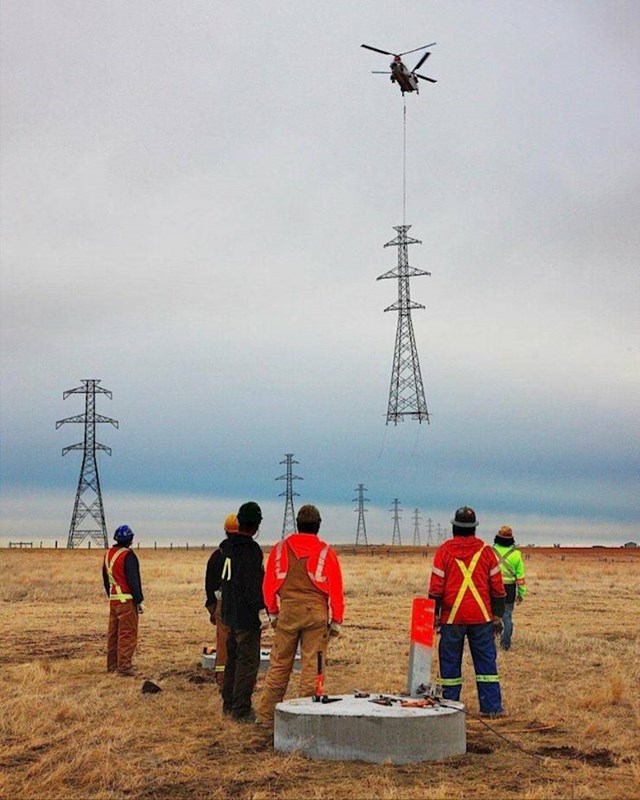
{"points": [[211, 608], [140, 608], [497, 626], [519, 599], [273, 619], [437, 625], [334, 628]]}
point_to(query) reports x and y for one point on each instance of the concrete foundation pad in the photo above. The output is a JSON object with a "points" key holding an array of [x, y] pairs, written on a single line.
{"points": [[355, 729]]}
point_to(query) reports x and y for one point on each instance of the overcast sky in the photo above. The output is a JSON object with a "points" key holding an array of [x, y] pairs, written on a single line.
{"points": [[195, 199]]}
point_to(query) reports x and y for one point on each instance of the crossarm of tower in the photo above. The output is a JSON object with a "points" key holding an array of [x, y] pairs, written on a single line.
{"points": [[408, 272], [80, 446], [77, 418], [284, 494], [293, 478], [100, 418], [403, 306]]}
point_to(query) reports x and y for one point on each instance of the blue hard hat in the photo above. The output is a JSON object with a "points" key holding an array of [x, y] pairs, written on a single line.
{"points": [[123, 535]]}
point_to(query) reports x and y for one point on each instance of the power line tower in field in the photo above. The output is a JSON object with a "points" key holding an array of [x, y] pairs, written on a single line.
{"points": [[406, 392], [396, 538], [429, 534], [289, 520], [88, 520], [439, 534], [361, 531], [416, 527]]}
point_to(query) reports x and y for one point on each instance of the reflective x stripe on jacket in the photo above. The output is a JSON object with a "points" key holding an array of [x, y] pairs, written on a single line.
{"points": [[118, 594], [511, 572], [467, 583]]}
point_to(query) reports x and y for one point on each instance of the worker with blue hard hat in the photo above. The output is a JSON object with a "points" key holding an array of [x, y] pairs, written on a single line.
{"points": [[121, 578]]}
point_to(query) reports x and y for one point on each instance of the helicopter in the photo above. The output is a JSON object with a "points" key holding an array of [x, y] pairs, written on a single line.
{"points": [[406, 79]]}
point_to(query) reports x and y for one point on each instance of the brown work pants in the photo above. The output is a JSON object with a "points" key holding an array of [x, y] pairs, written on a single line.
{"points": [[297, 622], [122, 637]]}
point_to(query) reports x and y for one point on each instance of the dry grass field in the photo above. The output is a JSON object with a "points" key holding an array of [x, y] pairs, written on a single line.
{"points": [[68, 730]]}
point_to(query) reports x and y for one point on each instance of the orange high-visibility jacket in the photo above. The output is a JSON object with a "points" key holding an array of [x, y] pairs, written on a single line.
{"points": [[323, 569], [466, 575], [120, 590]]}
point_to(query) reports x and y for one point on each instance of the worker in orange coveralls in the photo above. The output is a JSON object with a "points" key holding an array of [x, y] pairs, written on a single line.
{"points": [[121, 578], [214, 601], [304, 599], [466, 584]]}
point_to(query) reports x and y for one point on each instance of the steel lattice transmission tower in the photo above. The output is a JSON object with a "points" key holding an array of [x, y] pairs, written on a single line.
{"points": [[396, 538], [361, 531], [429, 529], [416, 527], [406, 392], [88, 520], [289, 521]]}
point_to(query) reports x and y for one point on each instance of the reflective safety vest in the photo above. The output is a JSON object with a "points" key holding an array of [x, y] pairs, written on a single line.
{"points": [[512, 566], [114, 565]]}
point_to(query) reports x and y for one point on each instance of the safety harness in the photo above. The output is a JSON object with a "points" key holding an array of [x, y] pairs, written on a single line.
{"points": [[118, 594]]}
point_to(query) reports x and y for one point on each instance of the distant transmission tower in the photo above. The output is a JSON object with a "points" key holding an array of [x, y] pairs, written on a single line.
{"points": [[361, 532], [396, 539], [429, 530], [406, 392], [416, 528], [439, 534], [88, 511], [289, 520]]}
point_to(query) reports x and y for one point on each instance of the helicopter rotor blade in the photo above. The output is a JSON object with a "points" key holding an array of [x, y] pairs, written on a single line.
{"points": [[424, 78], [415, 49], [380, 72], [377, 50], [422, 60]]}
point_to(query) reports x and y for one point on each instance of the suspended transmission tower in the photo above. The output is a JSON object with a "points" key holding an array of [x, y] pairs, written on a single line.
{"points": [[289, 520], [429, 530], [416, 528], [88, 512], [406, 392], [396, 539], [361, 531]]}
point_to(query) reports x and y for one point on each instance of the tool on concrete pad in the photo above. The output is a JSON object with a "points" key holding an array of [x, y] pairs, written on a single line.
{"points": [[320, 696]]}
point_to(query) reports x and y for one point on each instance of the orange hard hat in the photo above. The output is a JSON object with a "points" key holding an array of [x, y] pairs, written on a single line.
{"points": [[231, 524], [506, 532]]}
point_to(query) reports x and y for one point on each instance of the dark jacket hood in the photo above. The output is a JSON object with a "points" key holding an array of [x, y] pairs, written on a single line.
{"points": [[504, 541]]}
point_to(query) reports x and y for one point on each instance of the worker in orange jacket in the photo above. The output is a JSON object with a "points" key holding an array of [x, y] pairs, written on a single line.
{"points": [[121, 578], [304, 598], [214, 601]]}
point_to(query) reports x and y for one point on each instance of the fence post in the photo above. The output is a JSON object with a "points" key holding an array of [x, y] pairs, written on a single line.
{"points": [[155, 545], [56, 545], [170, 545], [187, 545], [89, 544]]}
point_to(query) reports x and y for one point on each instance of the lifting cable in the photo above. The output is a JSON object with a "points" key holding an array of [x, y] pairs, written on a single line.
{"points": [[404, 161]]}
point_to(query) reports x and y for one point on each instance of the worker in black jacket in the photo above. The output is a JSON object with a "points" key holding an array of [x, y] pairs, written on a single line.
{"points": [[240, 578]]}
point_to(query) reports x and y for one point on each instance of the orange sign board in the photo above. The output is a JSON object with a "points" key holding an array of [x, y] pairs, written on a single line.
{"points": [[422, 619]]}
